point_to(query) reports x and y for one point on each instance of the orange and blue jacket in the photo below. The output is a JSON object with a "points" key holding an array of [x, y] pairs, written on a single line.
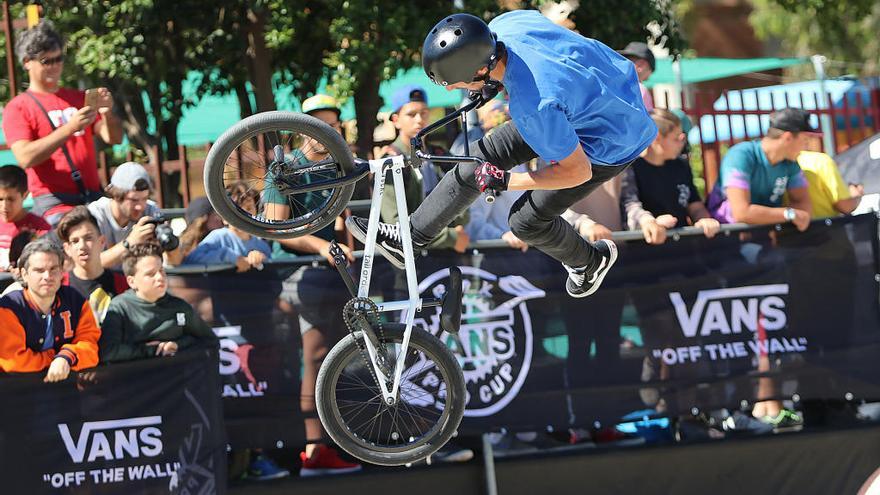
{"points": [[23, 331]]}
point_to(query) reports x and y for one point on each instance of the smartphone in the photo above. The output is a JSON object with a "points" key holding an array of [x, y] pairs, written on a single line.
{"points": [[92, 99]]}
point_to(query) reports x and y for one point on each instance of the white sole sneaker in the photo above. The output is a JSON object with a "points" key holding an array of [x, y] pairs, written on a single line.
{"points": [[600, 274]]}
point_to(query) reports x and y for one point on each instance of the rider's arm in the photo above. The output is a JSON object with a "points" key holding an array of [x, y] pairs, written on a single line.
{"points": [[573, 170]]}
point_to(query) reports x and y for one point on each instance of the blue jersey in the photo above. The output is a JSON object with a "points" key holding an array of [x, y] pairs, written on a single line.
{"points": [[567, 90]]}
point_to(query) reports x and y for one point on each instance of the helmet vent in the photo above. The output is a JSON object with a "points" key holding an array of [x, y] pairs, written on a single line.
{"points": [[443, 44], [449, 19], [434, 31], [458, 32]]}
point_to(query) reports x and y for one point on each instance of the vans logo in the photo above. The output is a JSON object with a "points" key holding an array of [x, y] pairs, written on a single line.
{"points": [[114, 439], [733, 310]]}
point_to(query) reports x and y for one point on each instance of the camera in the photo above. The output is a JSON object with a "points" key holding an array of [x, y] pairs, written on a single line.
{"points": [[164, 234]]}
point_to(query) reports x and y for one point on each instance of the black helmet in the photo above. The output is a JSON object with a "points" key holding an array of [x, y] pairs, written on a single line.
{"points": [[456, 48]]}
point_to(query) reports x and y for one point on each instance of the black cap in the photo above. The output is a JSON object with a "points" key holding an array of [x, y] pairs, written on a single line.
{"points": [[197, 207], [792, 120], [637, 49]]}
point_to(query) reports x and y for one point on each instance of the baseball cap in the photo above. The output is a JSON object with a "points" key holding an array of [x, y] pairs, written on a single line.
{"points": [[131, 176], [406, 94], [640, 50], [320, 102], [792, 120], [198, 207]]}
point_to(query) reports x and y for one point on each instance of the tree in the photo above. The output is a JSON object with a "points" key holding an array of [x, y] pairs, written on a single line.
{"points": [[845, 31]]}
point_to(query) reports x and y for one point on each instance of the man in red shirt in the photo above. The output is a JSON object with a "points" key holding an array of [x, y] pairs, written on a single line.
{"points": [[50, 130]]}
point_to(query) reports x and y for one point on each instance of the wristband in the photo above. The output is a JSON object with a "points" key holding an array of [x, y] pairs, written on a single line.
{"points": [[789, 214]]}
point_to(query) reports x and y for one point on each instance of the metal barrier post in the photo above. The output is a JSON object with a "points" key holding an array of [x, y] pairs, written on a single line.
{"points": [[489, 461]]}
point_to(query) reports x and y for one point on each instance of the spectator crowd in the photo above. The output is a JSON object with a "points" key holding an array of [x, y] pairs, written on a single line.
{"points": [[89, 262]]}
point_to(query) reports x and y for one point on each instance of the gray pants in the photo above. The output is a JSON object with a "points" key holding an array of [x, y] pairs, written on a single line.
{"points": [[534, 218]]}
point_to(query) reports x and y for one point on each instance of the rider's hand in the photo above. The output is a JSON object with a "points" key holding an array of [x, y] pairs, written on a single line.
{"points": [[105, 101], [142, 231], [653, 231], [491, 177], [710, 226], [83, 118], [515, 242], [594, 232], [462, 241]]}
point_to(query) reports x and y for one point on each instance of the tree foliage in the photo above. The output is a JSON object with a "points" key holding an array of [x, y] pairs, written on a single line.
{"points": [[253, 48], [845, 31]]}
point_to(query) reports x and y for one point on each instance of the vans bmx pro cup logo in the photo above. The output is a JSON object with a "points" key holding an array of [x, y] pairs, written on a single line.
{"points": [[494, 347]]}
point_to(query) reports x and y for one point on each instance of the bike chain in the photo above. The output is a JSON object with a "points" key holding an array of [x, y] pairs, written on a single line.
{"points": [[361, 313]]}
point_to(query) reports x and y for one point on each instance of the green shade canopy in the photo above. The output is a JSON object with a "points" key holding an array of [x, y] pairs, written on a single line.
{"points": [[695, 70]]}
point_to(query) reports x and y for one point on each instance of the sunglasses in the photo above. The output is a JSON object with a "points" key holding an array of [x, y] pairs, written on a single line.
{"points": [[52, 61]]}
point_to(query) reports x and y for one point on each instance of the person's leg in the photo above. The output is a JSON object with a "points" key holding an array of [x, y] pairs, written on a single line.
{"points": [[504, 148], [315, 348], [535, 219]]}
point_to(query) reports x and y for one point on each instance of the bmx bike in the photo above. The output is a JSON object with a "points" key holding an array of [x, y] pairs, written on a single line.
{"points": [[387, 393]]}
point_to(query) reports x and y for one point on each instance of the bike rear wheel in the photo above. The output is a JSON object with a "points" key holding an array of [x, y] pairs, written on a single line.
{"points": [[270, 155], [430, 403]]}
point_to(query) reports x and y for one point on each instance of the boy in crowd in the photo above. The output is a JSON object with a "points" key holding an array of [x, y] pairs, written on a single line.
{"points": [[232, 245], [146, 321], [82, 240], [14, 218], [662, 183], [46, 326]]}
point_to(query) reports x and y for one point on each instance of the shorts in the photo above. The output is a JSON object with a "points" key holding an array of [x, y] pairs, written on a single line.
{"points": [[318, 294]]}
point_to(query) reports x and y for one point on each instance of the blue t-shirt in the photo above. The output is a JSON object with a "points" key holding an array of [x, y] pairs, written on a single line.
{"points": [[566, 89], [223, 246], [745, 166]]}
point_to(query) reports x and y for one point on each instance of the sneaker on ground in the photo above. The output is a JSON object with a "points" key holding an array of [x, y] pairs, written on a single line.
{"points": [[263, 468], [325, 460], [582, 284], [785, 420], [387, 240], [739, 423]]}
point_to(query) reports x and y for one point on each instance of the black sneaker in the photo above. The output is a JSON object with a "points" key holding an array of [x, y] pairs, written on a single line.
{"points": [[582, 284], [387, 240]]}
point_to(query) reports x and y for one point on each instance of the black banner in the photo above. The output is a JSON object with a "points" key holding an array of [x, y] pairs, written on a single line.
{"points": [[149, 426], [694, 323]]}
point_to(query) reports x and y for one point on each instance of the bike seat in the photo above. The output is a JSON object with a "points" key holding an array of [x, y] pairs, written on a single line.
{"points": [[450, 310]]}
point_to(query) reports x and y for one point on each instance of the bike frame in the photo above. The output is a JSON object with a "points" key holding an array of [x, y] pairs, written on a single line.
{"points": [[379, 168], [414, 303]]}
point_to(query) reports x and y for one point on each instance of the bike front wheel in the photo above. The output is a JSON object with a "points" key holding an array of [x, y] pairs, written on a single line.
{"points": [[255, 171], [426, 415]]}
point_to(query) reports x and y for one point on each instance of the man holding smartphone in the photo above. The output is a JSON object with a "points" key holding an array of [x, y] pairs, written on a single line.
{"points": [[50, 129]]}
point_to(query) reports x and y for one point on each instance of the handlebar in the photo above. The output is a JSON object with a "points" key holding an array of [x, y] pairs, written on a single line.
{"points": [[478, 99]]}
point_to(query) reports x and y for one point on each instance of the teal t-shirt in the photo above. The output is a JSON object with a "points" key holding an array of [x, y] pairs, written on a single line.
{"points": [[745, 166], [304, 201]]}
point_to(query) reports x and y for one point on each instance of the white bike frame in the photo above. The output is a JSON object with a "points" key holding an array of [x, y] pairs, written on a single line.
{"points": [[379, 168]]}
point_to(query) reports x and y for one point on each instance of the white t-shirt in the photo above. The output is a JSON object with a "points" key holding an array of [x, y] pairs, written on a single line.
{"points": [[107, 224]]}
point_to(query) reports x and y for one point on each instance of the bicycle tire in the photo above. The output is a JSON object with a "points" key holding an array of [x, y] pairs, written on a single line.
{"points": [[267, 122], [347, 350]]}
